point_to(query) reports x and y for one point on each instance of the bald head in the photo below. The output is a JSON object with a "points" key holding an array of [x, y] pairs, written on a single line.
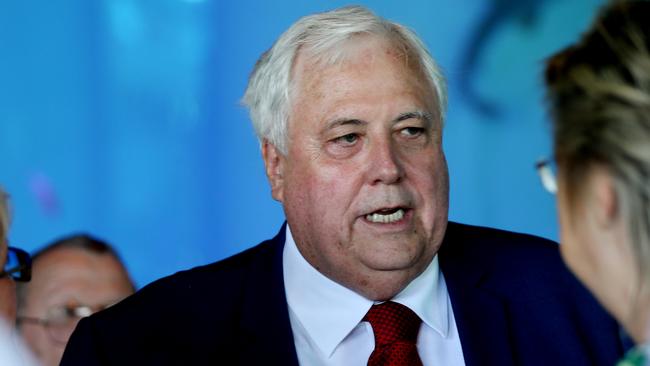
{"points": [[72, 277]]}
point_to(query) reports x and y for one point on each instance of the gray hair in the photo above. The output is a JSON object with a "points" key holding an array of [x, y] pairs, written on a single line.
{"points": [[268, 95], [4, 217], [599, 90]]}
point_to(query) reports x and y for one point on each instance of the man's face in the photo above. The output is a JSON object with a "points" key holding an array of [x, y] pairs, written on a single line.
{"points": [[364, 183], [7, 290], [65, 278]]}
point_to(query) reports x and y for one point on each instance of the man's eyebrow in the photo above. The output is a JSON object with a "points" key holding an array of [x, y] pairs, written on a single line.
{"points": [[343, 122], [417, 114], [421, 115]]}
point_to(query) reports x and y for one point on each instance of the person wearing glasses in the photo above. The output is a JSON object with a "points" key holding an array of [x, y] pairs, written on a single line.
{"points": [[15, 266], [72, 278], [599, 95]]}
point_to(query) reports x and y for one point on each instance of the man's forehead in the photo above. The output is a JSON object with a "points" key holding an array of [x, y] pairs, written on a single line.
{"points": [[422, 115], [313, 76], [361, 48], [310, 71], [69, 256]]}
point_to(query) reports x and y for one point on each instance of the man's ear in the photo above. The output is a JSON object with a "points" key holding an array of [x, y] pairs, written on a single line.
{"points": [[274, 162]]}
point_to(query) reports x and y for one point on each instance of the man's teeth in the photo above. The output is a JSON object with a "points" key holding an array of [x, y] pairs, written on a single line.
{"points": [[386, 219]]}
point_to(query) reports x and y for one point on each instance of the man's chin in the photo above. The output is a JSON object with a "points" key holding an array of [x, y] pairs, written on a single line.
{"points": [[391, 254], [385, 284], [393, 261]]}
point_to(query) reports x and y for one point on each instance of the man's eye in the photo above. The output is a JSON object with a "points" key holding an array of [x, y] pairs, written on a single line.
{"points": [[412, 131], [348, 139]]}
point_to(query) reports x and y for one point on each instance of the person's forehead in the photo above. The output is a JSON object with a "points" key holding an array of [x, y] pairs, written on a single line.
{"points": [[73, 258], [72, 271], [68, 264], [355, 48], [370, 72], [360, 52]]}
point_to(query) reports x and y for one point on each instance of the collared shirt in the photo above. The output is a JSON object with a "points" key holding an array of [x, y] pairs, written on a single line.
{"points": [[12, 349], [326, 317], [637, 356]]}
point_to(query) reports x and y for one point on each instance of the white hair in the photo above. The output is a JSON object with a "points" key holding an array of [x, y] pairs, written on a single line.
{"points": [[4, 216], [268, 95]]}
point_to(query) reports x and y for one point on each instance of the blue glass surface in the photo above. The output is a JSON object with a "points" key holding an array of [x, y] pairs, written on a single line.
{"points": [[122, 118]]}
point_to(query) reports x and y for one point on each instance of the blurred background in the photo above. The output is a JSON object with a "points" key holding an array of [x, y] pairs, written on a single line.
{"points": [[121, 118]]}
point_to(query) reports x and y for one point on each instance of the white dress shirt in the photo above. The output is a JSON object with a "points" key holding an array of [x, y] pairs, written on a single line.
{"points": [[326, 317], [12, 349]]}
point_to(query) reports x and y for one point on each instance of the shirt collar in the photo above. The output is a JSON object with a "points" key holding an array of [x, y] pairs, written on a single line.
{"points": [[329, 311]]}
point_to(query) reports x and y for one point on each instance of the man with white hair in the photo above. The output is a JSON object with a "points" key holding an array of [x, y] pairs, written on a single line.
{"points": [[349, 110]]}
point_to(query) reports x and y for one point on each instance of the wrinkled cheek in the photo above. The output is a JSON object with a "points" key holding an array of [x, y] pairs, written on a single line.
{"points": [[309, 203], [443, 181], [442, 195], [436, 195], [326, 189]]}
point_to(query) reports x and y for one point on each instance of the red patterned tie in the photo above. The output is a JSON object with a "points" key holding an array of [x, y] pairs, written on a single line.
{"points": [[396, 331]]}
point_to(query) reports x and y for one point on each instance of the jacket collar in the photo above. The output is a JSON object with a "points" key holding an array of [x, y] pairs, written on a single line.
{"points": [[480, 315], [266, 333]]}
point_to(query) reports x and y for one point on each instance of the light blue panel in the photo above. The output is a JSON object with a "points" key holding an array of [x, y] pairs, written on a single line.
{"points": [[122, 117]]}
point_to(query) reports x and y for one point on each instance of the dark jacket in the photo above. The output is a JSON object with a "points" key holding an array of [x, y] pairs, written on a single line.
{"points": [[514, 301]]}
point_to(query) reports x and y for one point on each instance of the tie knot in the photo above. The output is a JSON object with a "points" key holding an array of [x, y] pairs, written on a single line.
{"points": [[392, 322]]}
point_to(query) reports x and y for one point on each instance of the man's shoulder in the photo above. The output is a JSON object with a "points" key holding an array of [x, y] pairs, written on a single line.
{"points": [[490, 244], [521, 279], [223, 273], [212, 292], [185, 314], [230, 276], [480, 235], [506, 259]]}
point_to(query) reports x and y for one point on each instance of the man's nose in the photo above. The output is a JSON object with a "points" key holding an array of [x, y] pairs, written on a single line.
{"points": [[385, 165]]}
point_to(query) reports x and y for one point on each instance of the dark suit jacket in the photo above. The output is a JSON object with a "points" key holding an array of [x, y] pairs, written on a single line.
{"points": [[514, 302]]}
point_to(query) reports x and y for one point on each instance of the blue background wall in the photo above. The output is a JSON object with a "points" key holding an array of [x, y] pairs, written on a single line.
{"points": [[122, 118]]}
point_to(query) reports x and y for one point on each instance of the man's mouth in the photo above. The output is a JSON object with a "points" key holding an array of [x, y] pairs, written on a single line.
{"points": [[386, 216]]}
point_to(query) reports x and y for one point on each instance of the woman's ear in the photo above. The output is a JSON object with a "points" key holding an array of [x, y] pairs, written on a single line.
{"points": [[603, 194], [274, 163]]}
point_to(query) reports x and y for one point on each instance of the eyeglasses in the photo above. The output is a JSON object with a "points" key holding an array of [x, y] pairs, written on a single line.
{"points": [[547, 170], [18, 265], [60, 321]]}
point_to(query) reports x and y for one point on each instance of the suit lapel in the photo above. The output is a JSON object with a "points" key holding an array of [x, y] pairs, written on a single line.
{"points": [[267, 338], [480, 315]]}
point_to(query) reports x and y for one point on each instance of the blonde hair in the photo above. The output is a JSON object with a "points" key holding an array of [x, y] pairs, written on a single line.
{"points": [[4, 216], [599, 94]]}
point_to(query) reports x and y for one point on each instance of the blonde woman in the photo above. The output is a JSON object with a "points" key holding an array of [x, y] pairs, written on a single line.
{"points": [[599, 92]]}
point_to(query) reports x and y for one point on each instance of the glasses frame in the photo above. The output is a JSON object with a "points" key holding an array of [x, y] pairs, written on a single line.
{"points": [[60, 333], [22, 272], [546, 169]]}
